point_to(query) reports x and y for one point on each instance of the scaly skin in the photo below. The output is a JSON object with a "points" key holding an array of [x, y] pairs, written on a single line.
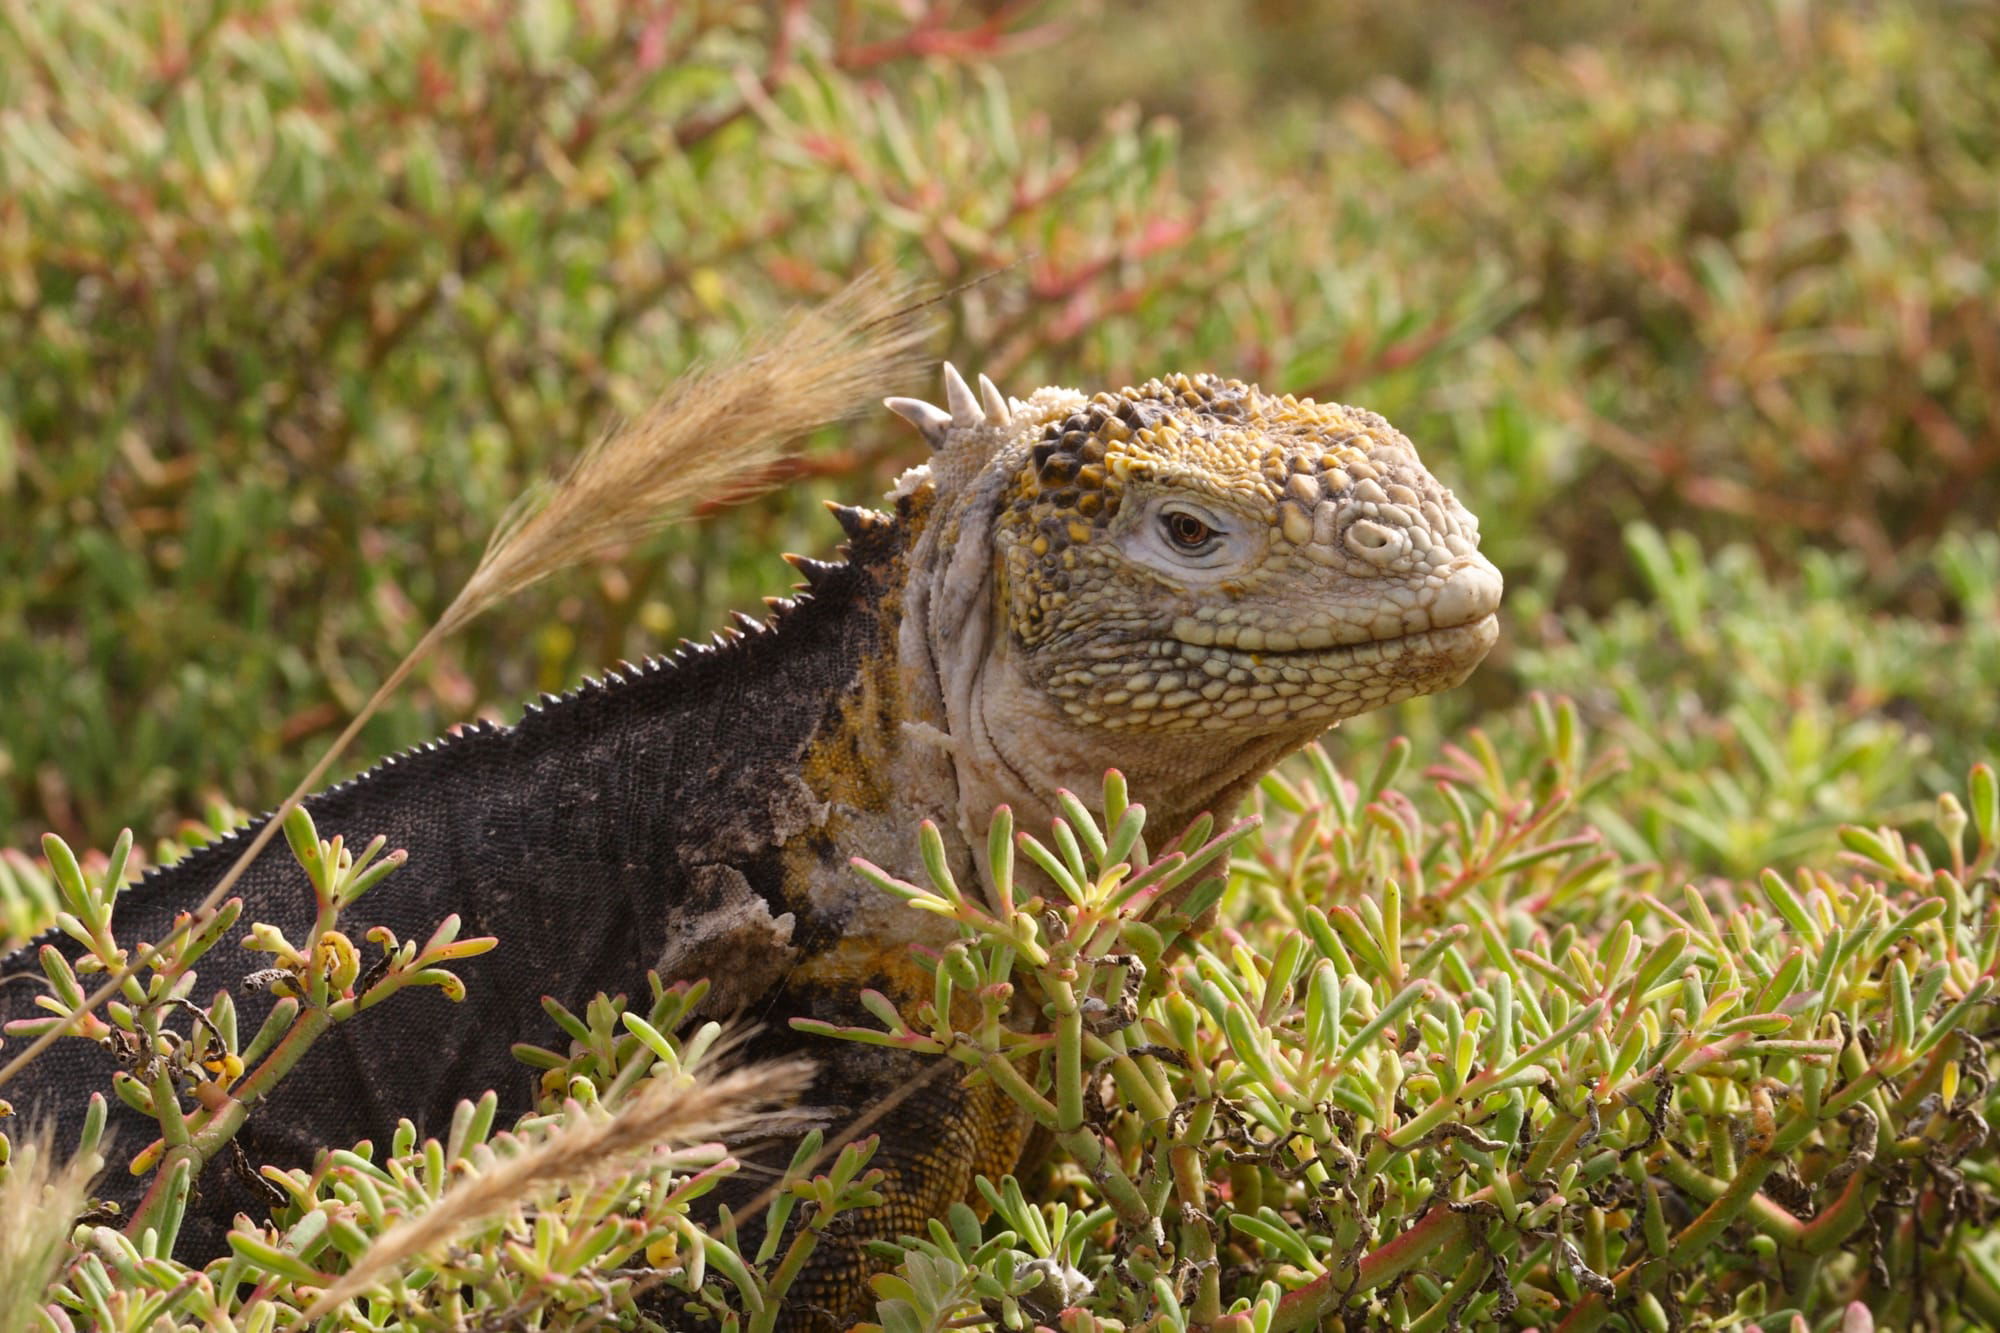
{"points": [[1186, 581]]}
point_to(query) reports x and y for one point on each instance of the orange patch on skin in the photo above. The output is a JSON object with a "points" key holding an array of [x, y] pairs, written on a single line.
{"points": [[850, 964]]}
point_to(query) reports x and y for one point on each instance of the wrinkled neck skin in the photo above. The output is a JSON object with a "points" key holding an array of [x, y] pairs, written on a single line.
{"points": [[972, 704]]}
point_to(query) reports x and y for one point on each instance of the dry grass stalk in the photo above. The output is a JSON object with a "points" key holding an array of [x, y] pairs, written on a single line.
{"points": [[753, 1100], [718, 428], [39, 1203]]}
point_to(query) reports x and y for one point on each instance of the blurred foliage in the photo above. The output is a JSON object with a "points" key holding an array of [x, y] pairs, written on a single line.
{"points": [[298, 298], [1753, 243], [1760, 714]]}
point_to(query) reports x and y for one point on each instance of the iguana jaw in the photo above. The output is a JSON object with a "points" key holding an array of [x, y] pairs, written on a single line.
{"points": [[1024, 744]]}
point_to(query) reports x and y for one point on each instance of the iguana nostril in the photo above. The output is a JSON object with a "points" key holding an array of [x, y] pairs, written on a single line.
{"points": [[1471, 592], [1374, 541]]}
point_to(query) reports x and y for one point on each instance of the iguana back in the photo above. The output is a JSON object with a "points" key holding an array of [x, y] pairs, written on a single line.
{"points": [[585, 838]]}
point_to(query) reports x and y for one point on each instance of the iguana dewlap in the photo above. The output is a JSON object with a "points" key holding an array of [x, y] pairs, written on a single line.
{"points": [[1185, 581]]}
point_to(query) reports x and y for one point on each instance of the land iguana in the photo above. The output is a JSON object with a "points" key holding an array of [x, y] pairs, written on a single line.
{"points": [[1186, 580]]}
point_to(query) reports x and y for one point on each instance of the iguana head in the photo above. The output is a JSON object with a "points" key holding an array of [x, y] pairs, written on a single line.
{"points": [[1186, 579]]}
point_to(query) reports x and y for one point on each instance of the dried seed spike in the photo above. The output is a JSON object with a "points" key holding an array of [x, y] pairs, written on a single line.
{"points": [[965, 409], [997, 410], [751, 1101], [38, 1201], [931, 421]]}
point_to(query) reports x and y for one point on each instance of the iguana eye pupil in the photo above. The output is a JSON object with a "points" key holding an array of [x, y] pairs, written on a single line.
{"points": [[1187, 530]]}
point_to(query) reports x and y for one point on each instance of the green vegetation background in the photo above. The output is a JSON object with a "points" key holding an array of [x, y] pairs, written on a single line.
{"points": [[1694, 302]]}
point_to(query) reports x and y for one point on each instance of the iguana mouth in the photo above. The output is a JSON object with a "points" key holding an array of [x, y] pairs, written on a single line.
{"points": [[1484, 627], [1206, 679], [1464, 644]]}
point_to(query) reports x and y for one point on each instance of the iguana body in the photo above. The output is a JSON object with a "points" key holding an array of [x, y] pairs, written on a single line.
{"points": [[1185, 581]]}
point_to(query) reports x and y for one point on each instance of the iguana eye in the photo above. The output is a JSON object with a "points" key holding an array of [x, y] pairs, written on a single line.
{"points": [[1186, 530]]}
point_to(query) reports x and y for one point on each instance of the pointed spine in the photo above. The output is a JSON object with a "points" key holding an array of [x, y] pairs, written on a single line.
{"points": [[997, 409], [932, 422], [815, 572], [958, 396]]}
